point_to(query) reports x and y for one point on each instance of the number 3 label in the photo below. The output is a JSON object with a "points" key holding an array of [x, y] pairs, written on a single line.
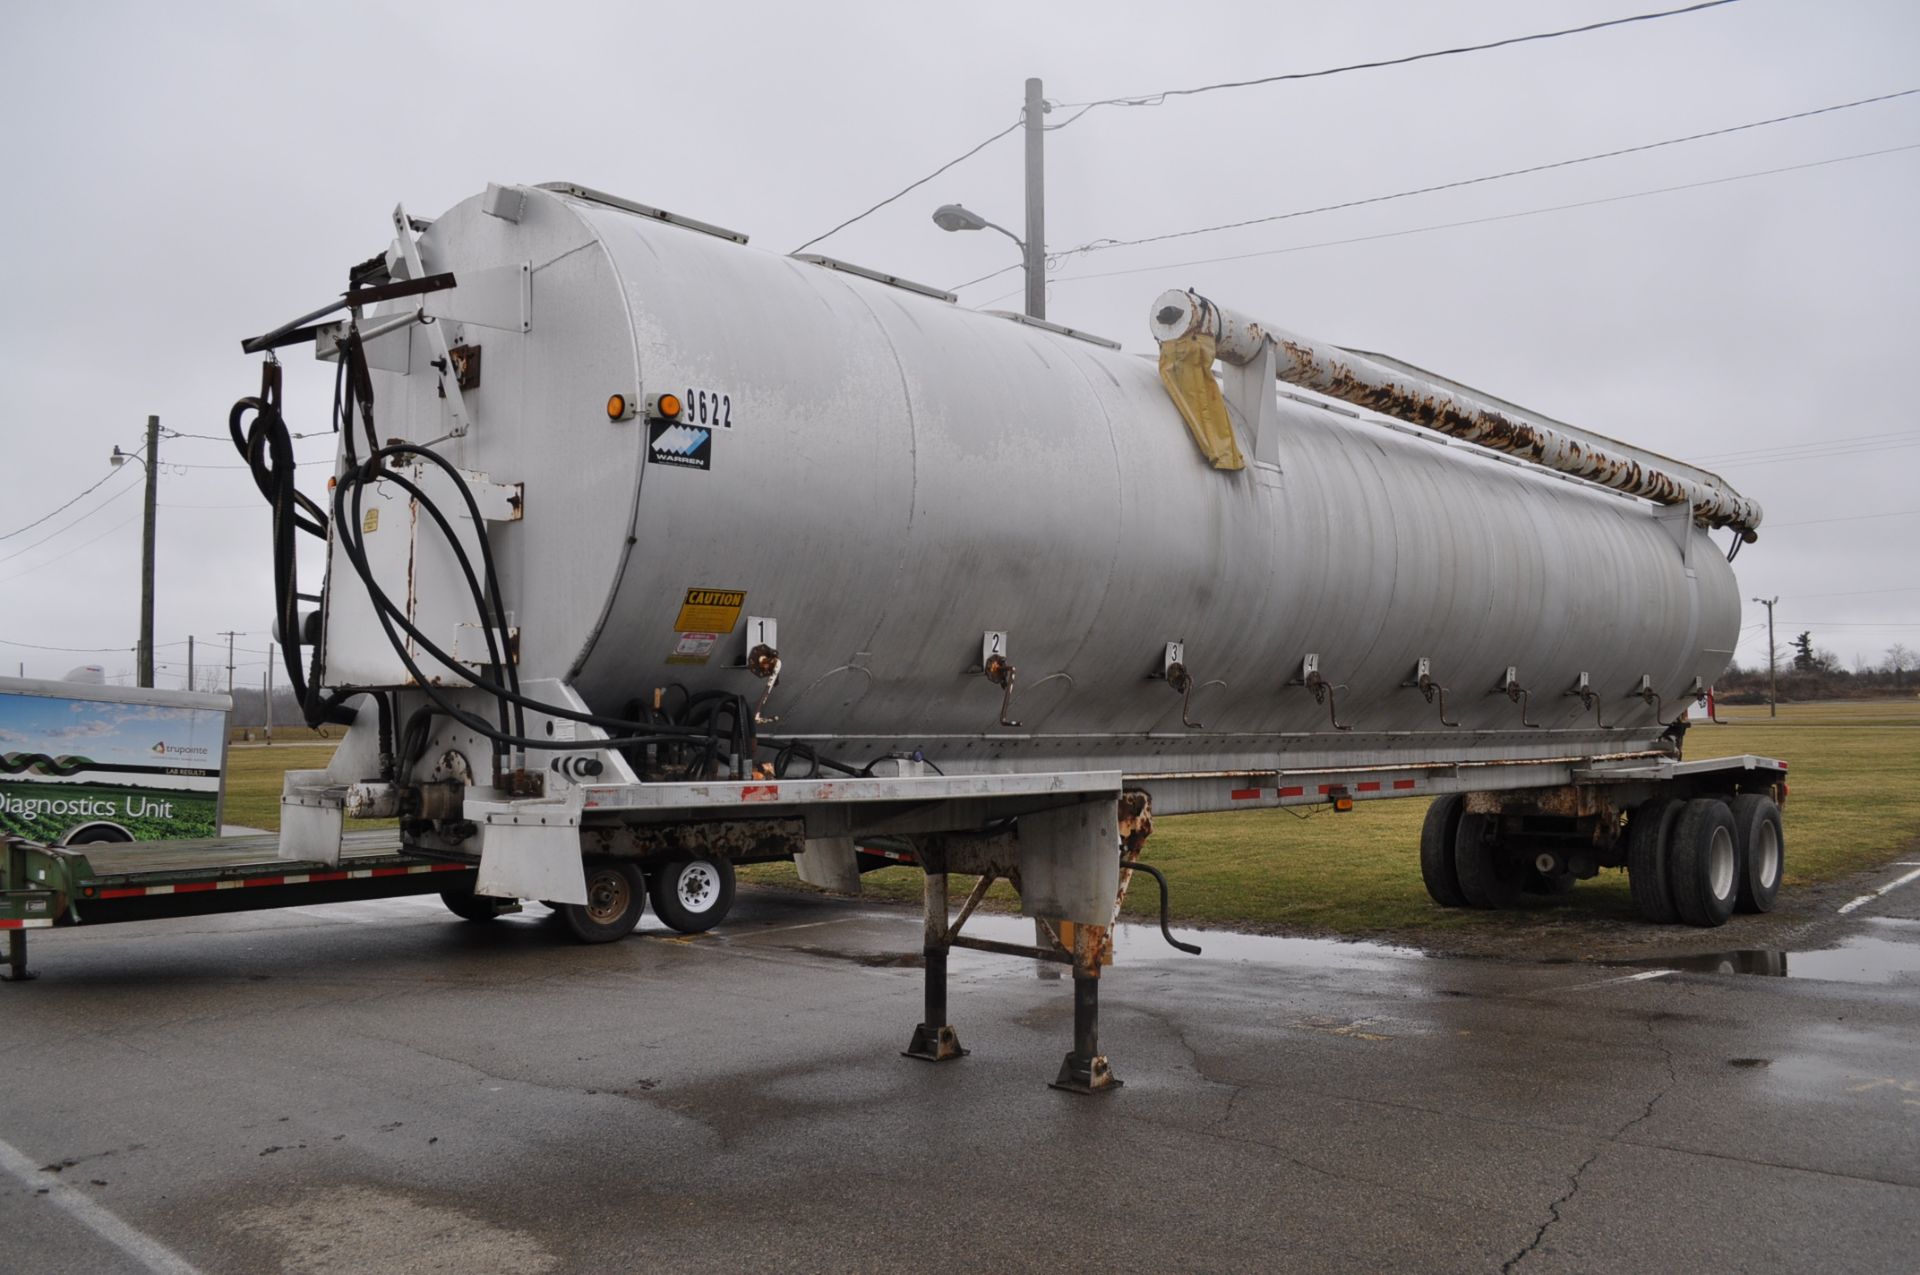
{"points": [[707, 407]]}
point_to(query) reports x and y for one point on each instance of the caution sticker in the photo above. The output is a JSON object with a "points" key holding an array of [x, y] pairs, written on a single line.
{"points": [[711, 610]]}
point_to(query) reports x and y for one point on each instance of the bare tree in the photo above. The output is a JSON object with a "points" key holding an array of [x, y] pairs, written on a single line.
{"points": [[1899, 660]]}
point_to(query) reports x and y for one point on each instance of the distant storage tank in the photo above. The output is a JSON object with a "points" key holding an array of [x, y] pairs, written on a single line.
{"points": [[891, 479]]}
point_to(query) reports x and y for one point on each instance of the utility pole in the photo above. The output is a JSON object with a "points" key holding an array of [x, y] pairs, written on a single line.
{"points": [[268, 709], [146, 552], [1036, 240], [229, 635], [190, 685], [1773, 688]]}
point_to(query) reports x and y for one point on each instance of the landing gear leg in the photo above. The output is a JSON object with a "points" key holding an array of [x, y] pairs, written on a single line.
{"points": [[17, 971], [1085, 1070], [934, 1040]]}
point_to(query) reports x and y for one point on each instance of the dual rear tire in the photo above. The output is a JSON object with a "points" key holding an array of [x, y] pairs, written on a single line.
{"points": [[1461, 862], [1700, 861], [1696, 861]]}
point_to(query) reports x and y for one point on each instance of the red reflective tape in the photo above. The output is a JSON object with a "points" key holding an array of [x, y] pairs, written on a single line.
{"points": [[253, 881], [125, 892], [1327, 788], [194, 887], [329, 876], [1403, 783], [760, 792], [391, 872], [1244, 794], [1372, 785], [1293, 792]]}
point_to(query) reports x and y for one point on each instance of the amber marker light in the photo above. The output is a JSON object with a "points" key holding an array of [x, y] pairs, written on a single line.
{"points": [[617, 407], [668, 406]]}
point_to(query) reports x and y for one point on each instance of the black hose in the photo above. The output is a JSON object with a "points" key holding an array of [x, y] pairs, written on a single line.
{"points": [[694, 733]]}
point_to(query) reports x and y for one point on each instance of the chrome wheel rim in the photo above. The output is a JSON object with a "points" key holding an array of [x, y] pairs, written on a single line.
{"points": [[1767, 847], [1720, 861]]}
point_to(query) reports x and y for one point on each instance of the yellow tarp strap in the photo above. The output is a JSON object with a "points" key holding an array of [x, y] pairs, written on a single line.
{"points": [[1186, 368]]}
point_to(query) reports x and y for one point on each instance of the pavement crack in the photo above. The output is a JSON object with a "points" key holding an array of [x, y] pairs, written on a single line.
{"points": [[1573, 1183], [1553, 1216]]}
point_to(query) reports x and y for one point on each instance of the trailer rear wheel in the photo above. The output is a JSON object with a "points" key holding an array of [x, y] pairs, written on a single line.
{"points": [[1762, 842], [692, 895], [469, 906], [1437, 836], [1704, 863], [1489, 876], [616, 897], [1649, 836]]}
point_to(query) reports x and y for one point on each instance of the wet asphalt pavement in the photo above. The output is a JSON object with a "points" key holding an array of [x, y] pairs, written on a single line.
{"points": [[378, 1087]]}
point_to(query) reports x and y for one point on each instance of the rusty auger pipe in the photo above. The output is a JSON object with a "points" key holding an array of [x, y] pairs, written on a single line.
{"points": [[1420, 398]]}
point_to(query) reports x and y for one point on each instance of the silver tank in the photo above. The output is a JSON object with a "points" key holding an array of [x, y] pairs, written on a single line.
{"points": [[892, 475]]}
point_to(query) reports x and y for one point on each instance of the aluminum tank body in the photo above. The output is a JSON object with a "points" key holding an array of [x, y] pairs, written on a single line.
{"points": [[889, 476]]}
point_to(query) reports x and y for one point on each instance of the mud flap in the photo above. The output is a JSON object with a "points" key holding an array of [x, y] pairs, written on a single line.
{"points": [[312, 815], [830, 863], [530, 849]]}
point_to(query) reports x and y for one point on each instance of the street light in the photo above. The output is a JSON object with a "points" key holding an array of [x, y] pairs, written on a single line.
{"points": [[1033, 249], [151, 461], [955, 217]]}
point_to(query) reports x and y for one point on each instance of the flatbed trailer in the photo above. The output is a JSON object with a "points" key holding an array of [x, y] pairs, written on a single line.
{"points": [[43, 886]]}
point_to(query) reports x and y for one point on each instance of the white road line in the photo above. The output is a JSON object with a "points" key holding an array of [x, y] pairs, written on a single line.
{"points": [[1641, 977], [138, 1245], [1888, 888]]}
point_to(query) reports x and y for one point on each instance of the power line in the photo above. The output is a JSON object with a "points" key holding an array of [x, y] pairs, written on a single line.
{"points": [[70, 650], [1816, 451], [1155, 99], [1795, 447], [1808, 522], [1103, 245], [54, 535], [228, 440], [39, 566], [110, 476], [1481, 221], [915, 185], [1855, 593]]}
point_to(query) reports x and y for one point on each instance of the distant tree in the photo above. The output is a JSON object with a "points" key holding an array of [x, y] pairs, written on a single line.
{"points": [[1826, 661], [1899, 660], [1805, 660]]}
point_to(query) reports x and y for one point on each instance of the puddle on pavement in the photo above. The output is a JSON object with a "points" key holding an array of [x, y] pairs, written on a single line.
{"points": [[1142, 944], [1871, 957]]}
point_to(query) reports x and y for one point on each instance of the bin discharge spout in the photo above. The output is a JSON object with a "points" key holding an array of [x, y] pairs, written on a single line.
{"points": [[1407, 393]]}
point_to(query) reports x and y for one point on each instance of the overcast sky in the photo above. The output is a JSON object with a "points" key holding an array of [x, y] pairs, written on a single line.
{"points": [[184, 175]]}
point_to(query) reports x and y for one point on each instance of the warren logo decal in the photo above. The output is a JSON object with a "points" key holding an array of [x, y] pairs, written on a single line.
{"points": [[687, 446]]}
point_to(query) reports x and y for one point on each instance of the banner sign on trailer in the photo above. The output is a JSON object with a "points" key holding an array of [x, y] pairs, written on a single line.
{"points": [[97, 769]]}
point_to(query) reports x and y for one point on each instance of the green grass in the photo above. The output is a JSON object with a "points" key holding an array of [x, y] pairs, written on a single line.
{"points": [[1855, 802], [253, 780]]}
